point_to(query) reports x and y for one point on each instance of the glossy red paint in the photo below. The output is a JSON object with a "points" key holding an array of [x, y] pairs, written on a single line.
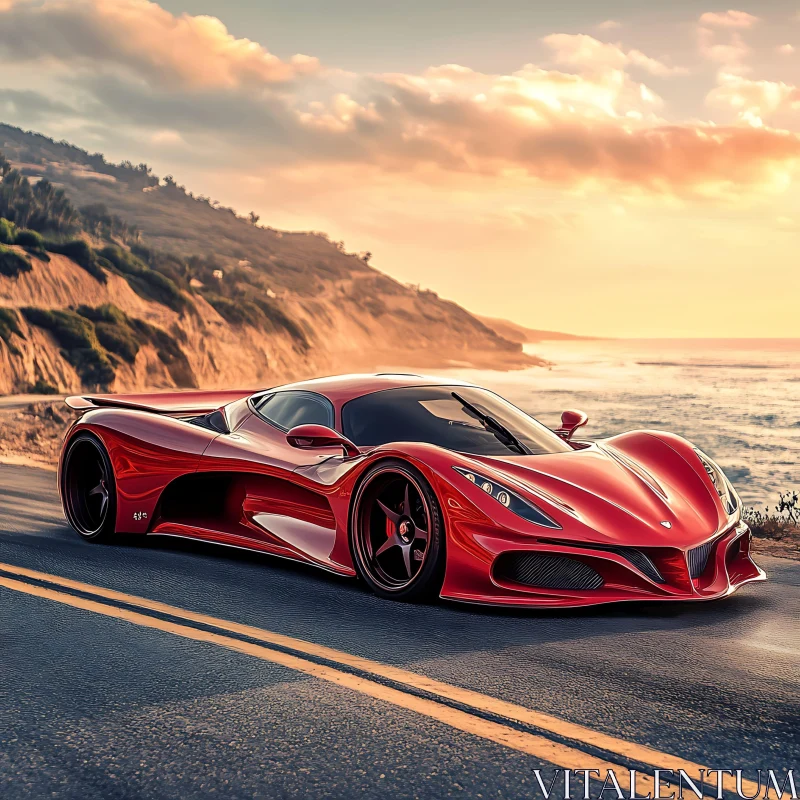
{"points": [[644, 491], [570, 422]]}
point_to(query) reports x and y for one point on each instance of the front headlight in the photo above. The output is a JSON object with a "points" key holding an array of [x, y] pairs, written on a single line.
{"points": [[511, 500], [726, 492]]}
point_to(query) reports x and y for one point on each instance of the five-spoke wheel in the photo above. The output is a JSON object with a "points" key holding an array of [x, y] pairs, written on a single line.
{"points": [[87, 486], [397, 532]]}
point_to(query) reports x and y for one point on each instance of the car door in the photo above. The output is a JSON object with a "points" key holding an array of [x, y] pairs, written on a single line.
{"points": [[265, 495]]}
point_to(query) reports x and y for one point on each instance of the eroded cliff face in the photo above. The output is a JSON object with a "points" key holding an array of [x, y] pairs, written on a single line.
{"points": [[199, 295], [407, 329]]}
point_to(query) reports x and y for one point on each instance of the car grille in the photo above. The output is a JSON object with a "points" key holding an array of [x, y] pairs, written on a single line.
{"points": [[641, 561], [547, 571], [697, 558]]}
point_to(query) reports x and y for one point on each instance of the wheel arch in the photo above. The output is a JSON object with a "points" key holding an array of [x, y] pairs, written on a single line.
{"points": [[416, 470]]}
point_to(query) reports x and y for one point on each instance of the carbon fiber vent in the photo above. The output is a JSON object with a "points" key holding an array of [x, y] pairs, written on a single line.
{"points": [[641, 561], [546, 571], [697, 559]]}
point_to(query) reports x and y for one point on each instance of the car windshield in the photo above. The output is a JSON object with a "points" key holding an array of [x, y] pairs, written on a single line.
{"points": [[462, 418]]}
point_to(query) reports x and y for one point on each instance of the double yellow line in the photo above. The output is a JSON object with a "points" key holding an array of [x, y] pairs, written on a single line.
{"points": [[464, 718]]}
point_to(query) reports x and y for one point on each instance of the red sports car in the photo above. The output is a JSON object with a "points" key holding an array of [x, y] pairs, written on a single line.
{"points": [[420, 486]]}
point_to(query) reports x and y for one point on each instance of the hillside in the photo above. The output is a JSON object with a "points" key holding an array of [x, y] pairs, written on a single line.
{"points": [[519, 333], [112, 277]]}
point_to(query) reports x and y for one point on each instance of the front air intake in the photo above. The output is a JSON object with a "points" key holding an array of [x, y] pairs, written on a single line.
{"points": [[641, 561], [544, 571], [697, 558]]}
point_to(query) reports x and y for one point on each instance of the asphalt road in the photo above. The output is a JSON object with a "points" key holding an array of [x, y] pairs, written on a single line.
{"points": [[94, 706]]}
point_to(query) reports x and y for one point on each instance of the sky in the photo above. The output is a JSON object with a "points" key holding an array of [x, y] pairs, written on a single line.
{"points": [[618, 169]]}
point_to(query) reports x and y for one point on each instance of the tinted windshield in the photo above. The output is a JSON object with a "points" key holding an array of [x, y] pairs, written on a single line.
{"points": [[432, 414]]}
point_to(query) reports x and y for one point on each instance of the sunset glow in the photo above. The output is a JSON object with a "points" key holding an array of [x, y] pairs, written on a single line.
{"points": [[628, 176]]}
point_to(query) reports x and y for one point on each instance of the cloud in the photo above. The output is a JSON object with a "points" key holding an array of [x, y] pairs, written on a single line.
{"points": [[609, 25], [32, 105], [731, 52], [785, 49], [192, 52], [184, 84], [753, 99], [584, 50], [728, 19]]}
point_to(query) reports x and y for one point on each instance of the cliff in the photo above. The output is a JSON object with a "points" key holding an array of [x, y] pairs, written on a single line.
{"points": [[135, 283]]}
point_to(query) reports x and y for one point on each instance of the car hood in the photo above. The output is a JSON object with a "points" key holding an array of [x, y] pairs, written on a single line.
{"points": [[618, 492]]}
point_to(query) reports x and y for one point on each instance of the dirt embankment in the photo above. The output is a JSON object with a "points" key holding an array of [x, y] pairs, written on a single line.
{"points": [[417, 330]]}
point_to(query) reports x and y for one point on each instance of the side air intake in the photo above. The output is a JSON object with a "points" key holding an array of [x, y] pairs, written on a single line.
{"points": [[545, 571], [697, 558]]}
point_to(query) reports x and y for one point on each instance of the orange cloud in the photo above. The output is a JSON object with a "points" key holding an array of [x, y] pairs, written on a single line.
{"points": [[754, 99], [584, 50], [188, 51], [730, 52], [171, 80], [515, 132], [728, 19]]}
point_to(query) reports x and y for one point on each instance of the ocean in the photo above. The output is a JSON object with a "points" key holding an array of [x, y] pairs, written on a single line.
{"points": [[736, 399]]}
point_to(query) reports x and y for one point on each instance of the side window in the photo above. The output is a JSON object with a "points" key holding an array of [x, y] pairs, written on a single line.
{"points": [[287, 409]]}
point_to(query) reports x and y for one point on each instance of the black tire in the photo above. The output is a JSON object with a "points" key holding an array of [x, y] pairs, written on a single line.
{"points": [[88, 490], [397, 534]]}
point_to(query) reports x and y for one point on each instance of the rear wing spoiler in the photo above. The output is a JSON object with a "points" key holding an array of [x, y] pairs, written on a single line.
{"points": [[168, 403]]}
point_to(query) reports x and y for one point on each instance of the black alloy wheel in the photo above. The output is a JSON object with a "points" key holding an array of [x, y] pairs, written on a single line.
{"points": [[397, 535], [88, 489]]}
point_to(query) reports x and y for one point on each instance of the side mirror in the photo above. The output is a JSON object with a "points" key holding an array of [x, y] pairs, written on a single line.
{"points": [[313, 437], [570, 422]]}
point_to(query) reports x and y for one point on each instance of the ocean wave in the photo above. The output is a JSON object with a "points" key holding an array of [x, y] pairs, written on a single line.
{"points": [[714, 365]]}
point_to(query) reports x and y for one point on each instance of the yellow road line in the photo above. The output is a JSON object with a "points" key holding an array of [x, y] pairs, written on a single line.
{"points": [[528, 743], [485, 703]]}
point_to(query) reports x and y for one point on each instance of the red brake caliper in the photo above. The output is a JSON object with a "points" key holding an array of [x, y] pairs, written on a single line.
{"points": [[389, 527]]}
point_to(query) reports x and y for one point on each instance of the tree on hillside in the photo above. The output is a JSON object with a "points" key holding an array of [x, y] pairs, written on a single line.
{"points": [[40, 206], [253, 218], [102, 224]]}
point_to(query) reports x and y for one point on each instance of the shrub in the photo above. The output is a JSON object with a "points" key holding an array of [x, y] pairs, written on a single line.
{"points": [[42, 387], [9, 323], [30, 239], [277, 318], [781, 525], [79, 341], [170, 353], [237, 312], [263, 313], [113, 330], [83, 255], [12, 263], [105, 313], [124, 336], [7, 231], [144, 281], [118, 340]]}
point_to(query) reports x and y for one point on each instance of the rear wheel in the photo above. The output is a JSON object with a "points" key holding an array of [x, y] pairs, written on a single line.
{"points": [[88, 489], [397, 534]]}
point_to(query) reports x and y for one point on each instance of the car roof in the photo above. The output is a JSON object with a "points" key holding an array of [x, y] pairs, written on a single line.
{"points": [[341, 388]]}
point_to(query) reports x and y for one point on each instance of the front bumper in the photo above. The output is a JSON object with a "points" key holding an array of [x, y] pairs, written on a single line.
{"points": [[476, 573]]}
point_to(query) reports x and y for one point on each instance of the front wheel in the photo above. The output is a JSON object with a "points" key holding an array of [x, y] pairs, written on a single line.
{"points": [[88, 489], [397, 535]]}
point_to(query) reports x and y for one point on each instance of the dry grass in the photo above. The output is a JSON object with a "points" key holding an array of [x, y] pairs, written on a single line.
{"points": [[777, 532]]}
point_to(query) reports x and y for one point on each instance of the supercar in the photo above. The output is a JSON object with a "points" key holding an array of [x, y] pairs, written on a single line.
{"points": [[421, 487]]}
